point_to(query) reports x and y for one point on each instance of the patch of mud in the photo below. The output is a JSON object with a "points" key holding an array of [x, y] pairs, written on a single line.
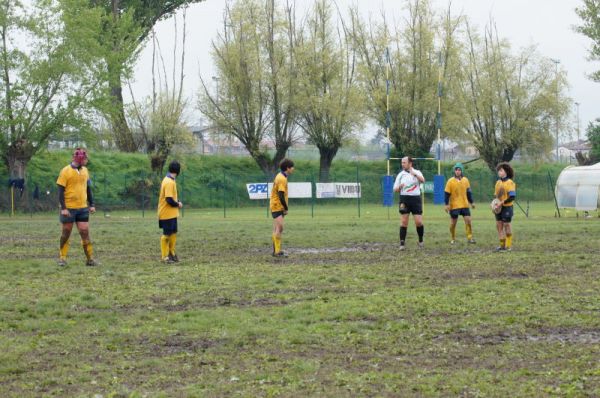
{"points": [[551, 335], [359, 247], [178, 344], [328, 250]]}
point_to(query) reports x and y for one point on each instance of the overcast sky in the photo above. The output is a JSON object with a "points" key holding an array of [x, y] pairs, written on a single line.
{"points": [[548, 24]]}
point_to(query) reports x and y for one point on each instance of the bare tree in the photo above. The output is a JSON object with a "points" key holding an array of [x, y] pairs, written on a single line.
{"points": [[330, 102], [511, 100], [126, 24], [159, 120], [256, 62], [46, 77], [404, 62]]}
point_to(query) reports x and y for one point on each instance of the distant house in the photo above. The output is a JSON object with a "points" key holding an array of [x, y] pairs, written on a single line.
{"points": [[569, 150], [210, 141]]}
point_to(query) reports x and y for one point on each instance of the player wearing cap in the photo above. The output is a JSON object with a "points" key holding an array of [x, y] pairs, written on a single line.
{"points": [[76, 203]]}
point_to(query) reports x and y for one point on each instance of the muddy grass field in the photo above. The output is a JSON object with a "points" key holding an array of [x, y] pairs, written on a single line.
{"points": [[346, 314]]}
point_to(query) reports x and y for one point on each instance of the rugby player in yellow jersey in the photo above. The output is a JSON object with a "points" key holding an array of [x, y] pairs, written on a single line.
{"points": [[168, 211], [76, 204], [458, 197], [506, 192], [279, 204]]}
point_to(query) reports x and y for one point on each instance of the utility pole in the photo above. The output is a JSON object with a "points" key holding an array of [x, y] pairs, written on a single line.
{"points": [[577, 105], [217, 95], [556, 62]]}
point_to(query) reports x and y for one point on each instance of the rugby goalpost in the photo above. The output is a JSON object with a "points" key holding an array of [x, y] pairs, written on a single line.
{"points": [[439, 180]]}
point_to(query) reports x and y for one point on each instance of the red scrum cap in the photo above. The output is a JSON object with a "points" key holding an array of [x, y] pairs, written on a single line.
{"points": [[79, 155]]}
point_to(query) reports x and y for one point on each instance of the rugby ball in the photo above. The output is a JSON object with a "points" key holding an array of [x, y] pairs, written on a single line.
{"points": [[496, 206]]}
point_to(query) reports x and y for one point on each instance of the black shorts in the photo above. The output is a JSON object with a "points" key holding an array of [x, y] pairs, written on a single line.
{"points": [[276, 214], [76, 215], [410, 204], [505, 215], [465, 212], [169, 226]]}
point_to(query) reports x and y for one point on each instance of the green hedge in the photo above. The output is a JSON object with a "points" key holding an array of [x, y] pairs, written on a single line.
{"points": [[123, 180]]}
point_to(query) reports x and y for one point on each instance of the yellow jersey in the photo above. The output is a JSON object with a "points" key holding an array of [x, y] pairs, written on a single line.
{"points": [[509, 187], [280, 184], [75, 182], [458, 192], [168, 189]]}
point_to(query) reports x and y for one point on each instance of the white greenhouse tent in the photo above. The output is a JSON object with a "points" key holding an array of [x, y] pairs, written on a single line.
{"points": [[579, 188]]}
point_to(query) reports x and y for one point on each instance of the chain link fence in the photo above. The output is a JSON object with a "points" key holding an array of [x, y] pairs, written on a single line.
{"points": [[222, 189]]}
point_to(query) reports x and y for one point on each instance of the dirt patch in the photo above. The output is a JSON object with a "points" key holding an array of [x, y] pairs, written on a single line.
{"points": [[547, 335], [354, 248], [360, 247], [486, 275], [177, 344]]}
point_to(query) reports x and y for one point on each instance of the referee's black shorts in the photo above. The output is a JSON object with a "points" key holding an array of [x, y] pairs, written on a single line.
{"points": [[410, 204]]}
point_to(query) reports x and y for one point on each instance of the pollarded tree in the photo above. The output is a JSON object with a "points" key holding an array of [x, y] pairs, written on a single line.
{"points": [[126, 24], [257, 80], [589, 13], [410, 57], [49, 70], [159, 119], [513, 101], [330, 104]]}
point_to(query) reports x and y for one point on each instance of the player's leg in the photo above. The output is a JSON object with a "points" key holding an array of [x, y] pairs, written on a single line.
{"points": [[66, 229], [453, 221], [165, 241], [508, 234], [83, 226], [278, 232], [469, 228], [173, 241], [84, 231], [416, 209], [403, 229], [420, 227], [274, 235], [507, 215], [501, 236]]}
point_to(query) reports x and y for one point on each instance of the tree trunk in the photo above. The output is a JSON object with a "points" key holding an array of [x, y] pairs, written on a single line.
{"points": [[158, 161], [280, 153], [326, 158], [123, 135], [16, 158], [508, 153]]}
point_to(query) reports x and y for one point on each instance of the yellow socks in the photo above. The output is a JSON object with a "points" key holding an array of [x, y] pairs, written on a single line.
{"points": [[172, 241], [453, 232], [508, 241], [503, 242], [164, 246], [469, 229], [64, 249], [276, 243], [87, 249]]}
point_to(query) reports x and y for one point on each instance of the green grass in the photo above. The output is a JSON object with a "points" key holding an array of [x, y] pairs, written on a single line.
{"points": [[346, 314]]}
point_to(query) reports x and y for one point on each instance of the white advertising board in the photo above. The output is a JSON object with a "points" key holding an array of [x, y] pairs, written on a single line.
{"points": [[296, 190], [343, 190]]}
